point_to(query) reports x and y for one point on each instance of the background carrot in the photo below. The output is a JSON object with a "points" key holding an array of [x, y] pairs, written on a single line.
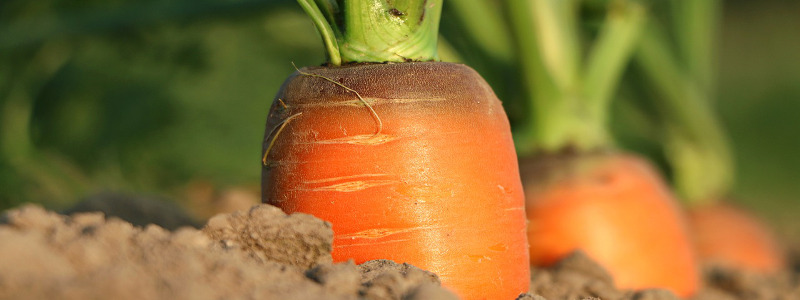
{"points": [[615, 208], [582, 193], [695, 145], [728, 236], [411, 161]]}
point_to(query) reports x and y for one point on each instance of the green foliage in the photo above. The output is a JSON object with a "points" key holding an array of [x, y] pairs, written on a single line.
{"points": [[144, 103]]}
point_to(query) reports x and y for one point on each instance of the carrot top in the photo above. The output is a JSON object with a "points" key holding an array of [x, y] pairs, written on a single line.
{"points": [[569, 85], [681, 73], [376, 30]]}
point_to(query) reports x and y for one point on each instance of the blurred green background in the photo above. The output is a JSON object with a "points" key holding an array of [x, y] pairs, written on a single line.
{"points": [[152, 97]]}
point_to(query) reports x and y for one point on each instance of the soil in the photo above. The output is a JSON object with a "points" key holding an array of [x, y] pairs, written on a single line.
{"points": [[262, 253]]}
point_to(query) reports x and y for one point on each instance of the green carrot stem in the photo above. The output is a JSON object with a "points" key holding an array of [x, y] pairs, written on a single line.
{"points": [[329, 35], [695, 143], [569, 100], [611, 53], [376, 30], [483, 22], [695, 25], [537, 81], [556, 28]]}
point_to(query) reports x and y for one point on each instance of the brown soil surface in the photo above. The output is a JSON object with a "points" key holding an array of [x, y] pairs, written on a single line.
{"points": [[262, 253]]}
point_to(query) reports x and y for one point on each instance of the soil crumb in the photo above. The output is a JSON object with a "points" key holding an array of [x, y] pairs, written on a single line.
{"points": [[260, 253]]}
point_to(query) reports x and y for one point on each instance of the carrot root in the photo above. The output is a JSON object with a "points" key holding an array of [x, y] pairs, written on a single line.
{"points": [[617, 210], [437, 185]]}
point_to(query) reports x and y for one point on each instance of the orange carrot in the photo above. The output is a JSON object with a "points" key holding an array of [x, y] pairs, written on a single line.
{"points": [[729, 236], [616, 209], [411, 162]]}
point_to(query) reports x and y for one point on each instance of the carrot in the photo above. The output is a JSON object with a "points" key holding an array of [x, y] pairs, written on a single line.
{"points": [[730, 236], [614, 207], [410, 161], [695, 144], [582, 193]]}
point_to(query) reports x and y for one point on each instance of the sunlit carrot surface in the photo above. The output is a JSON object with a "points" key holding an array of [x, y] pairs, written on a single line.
{"points": [[430, 178], [617, 210], [729, 236]]}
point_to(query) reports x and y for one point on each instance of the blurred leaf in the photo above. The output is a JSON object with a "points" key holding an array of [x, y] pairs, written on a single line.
{"points": [[85, 17]]}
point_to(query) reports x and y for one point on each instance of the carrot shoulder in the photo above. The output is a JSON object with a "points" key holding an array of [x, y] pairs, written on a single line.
{"points": [[427, 176]]}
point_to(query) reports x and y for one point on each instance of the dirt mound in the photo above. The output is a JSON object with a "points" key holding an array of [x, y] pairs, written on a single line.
{"points": [[258, 254]]}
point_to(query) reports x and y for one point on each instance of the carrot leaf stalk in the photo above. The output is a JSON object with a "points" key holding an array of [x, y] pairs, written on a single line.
{"points": [[325, 28], [695, 24], [482, 22], [375, 30], [570, 97], [695, 144]]}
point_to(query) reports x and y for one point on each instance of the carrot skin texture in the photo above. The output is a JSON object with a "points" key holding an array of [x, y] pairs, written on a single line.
{"points": [[617, 210], [729, 236], [438, 186]]}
